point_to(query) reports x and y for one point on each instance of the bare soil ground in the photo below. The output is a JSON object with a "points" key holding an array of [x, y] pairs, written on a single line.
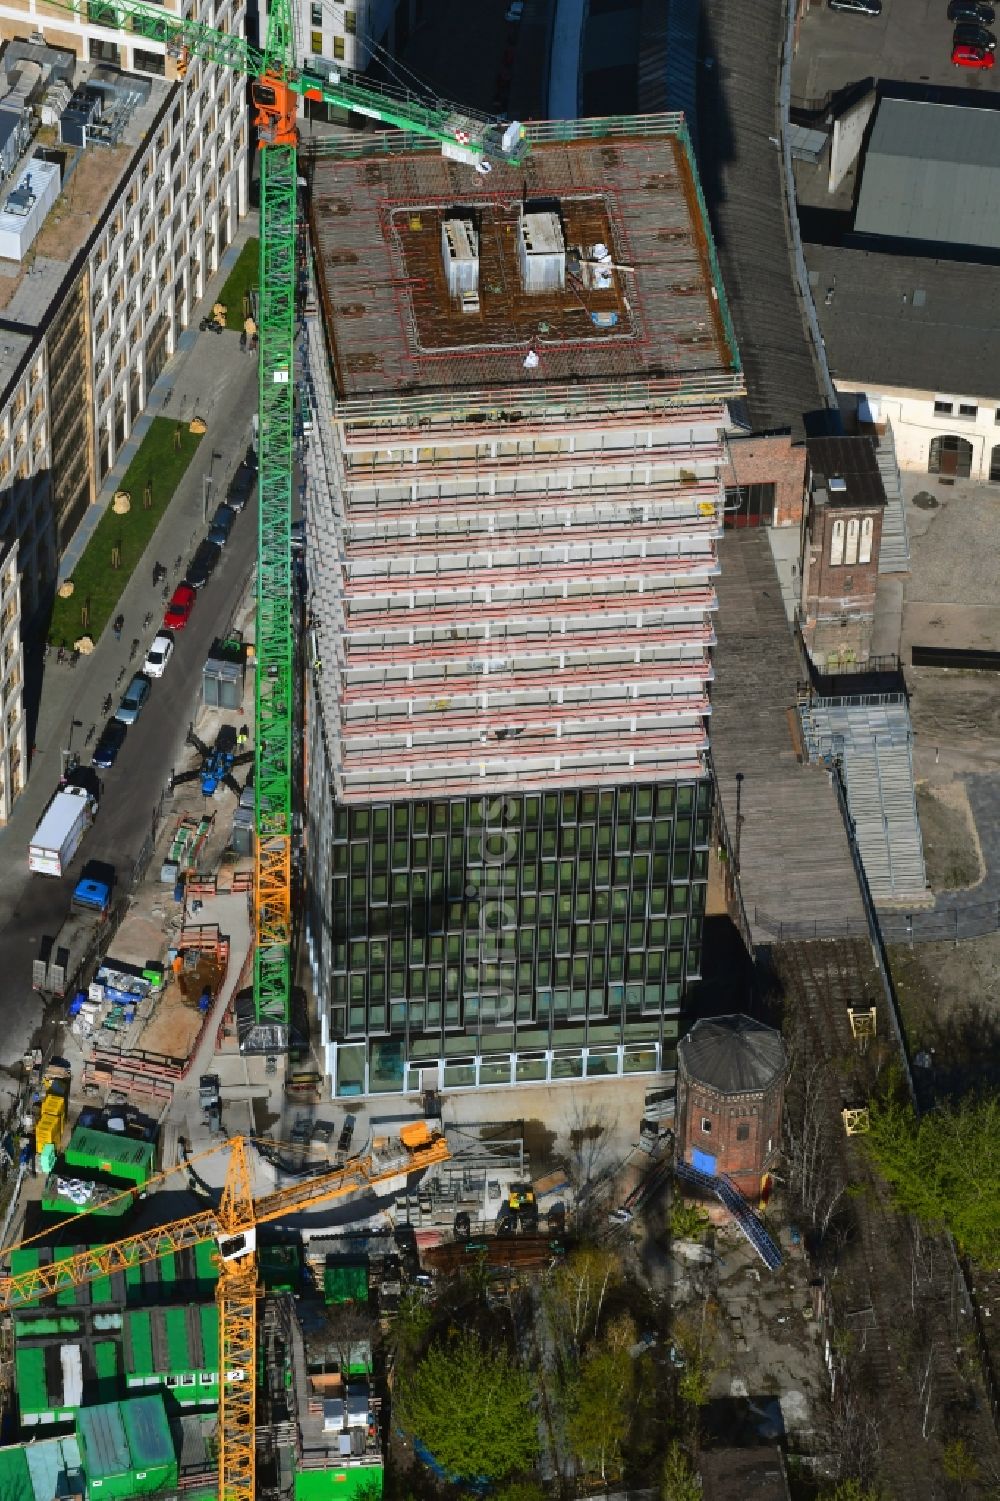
{"points": [[952, 851], [947, 993]]}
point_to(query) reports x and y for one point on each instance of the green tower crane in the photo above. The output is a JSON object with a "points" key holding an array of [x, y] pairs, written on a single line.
{"points": [[278, 83]]}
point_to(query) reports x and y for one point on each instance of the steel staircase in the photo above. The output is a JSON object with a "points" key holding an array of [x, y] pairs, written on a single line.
{"points": [[871, 736], [894, 553], [742, 1211]]}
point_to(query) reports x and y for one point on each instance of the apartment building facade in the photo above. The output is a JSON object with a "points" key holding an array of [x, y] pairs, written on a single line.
{"points": [[94, 310], [512, 523], [13, 731]]}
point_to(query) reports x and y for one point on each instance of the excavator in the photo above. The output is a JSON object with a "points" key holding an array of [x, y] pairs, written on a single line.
{"points": [[232, 1226]]}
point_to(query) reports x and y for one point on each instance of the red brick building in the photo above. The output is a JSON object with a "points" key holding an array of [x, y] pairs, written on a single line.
{"points": [[730, 1093], [765, 480], [841, 538]]}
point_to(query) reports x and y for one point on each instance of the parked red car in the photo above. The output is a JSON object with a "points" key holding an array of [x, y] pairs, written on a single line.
{"points": [[964, 56], [179, 609]]}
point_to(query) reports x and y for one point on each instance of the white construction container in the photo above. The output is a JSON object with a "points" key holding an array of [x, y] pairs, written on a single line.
{"points": [[26, 206]]}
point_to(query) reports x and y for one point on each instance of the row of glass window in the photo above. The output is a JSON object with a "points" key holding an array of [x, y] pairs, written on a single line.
{"points": [[518, 949], [647, 992], [536, 810], [495, 850], [420, 914], [466, 1061]]}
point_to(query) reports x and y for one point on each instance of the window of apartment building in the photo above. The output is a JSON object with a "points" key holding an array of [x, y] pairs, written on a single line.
{"points": [[149, 62], [104, 52], [339, 49], [943, 408], [706, 1125], [316, 15], [316, 43], [968, 409], [749, 505], [742, 1133], [350, 22], [175, 118]]}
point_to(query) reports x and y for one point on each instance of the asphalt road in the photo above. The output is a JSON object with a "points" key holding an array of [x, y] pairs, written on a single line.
{"points": [[221, 383]]}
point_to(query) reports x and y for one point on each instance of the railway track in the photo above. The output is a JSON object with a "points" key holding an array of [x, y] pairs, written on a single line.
{"points": [[911, 1392]]}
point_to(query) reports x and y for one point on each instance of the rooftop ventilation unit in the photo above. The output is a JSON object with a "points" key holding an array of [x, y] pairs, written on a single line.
{"points": [[541, 251], [460, 253]]}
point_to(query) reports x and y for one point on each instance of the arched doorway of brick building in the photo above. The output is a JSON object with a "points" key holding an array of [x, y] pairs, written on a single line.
{"points": [[950, 455]]}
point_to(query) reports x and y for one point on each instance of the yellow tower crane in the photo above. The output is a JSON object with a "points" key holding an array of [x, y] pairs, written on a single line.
{"points": [[232, 1225]]}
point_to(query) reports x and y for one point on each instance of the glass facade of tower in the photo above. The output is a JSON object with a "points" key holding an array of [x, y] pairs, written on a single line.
{"points": [[514, 937]]}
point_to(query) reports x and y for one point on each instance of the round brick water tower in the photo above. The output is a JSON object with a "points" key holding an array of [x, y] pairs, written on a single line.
{"points": [[730, 1093]]}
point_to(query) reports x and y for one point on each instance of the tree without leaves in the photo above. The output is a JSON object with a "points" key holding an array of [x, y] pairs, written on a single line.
{"points": [[471, 1408]]}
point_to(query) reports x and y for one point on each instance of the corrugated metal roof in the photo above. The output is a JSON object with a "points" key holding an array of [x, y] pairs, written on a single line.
{"points": [[103, 1444], [148, 1431], [932, 173], [49, 1461], [15, 1478], [733, 1054]]}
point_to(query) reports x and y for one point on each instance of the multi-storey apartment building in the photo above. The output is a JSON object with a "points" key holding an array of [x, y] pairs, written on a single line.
{"points": [[13, 733], [134, 167], [520, 382]]}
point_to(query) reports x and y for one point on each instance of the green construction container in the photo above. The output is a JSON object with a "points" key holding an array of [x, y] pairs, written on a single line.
{"points": [[151, 1444], [343, 1482], [126, 1448], [280, 1268], [176, 1349], [15, 1477], [108, 1152], [345, 1281], [24, 1261]]}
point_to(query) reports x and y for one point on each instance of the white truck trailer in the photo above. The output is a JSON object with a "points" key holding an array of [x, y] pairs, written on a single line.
{"points": [[64, 823]]}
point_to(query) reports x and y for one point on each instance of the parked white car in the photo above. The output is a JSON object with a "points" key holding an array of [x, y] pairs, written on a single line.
{"points": [[159, 655]]}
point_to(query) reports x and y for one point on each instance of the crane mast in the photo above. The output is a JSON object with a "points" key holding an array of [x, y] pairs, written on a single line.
{"points": [[465, 136], [233, 1228]]}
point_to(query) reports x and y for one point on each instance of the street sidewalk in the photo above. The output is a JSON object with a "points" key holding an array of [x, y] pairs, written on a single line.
{"points": [[207, 375], [178, 392]]}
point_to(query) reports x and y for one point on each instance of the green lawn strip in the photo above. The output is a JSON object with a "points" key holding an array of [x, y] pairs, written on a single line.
{"points": [[158, 464], [241, 278]]}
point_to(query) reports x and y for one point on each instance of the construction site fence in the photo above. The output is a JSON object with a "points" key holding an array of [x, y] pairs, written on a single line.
{"points": [[898, 926]]}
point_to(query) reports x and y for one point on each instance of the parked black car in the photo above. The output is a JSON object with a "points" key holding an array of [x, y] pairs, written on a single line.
{"points": [[971, 10], [203, 564], [111, 741], [970, 35], [242, 486]]}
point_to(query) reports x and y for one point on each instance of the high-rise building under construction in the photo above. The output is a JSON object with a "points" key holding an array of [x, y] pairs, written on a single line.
{"points": [[516, 394]]}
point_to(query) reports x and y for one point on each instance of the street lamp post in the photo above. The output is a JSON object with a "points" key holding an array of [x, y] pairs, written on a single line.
{"points": [[67, 754]]}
